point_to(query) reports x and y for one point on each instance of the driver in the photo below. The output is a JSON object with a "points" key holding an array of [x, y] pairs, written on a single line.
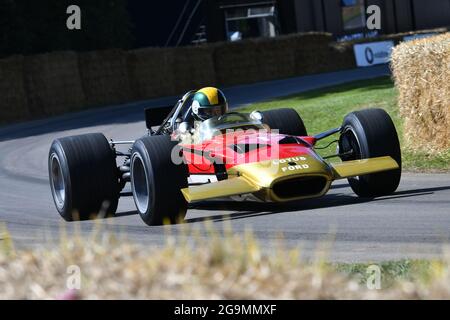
{"points": [[207, 103]]}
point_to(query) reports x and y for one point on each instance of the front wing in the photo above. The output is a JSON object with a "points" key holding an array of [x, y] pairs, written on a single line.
{"points": [[242, 185]]}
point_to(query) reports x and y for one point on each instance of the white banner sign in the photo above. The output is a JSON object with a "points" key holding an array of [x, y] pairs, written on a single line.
{"points": [[369, 54]]}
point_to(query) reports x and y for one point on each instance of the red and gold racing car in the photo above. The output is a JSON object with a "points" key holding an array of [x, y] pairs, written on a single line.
{"points": [[263, 156]]}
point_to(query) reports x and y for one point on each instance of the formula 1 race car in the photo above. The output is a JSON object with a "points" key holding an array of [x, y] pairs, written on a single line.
{"points": [[266, 156]]}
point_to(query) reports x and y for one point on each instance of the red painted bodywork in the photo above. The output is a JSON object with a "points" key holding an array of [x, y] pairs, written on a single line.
{"points": [[220, 148]]}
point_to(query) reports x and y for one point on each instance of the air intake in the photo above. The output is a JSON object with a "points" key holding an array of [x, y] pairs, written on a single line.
{"points": [[299, 187]]}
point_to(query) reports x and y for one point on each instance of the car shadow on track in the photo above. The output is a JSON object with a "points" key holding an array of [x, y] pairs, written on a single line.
{"points": [[256, 209], [250, 209]]}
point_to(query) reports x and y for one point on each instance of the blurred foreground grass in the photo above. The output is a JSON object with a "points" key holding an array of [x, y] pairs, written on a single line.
{"points": [[227, 266], [325, 109]]}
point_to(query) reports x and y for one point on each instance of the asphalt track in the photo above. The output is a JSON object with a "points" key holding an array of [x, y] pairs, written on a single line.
{"points": [[412, 223]]}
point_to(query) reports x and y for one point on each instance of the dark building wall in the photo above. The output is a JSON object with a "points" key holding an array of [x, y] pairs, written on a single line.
{"points": [[325, 15], [154, 27], [431, 13], [403, 15], [387, 14], [310, 15], [396, 15], [215, 21], [305, 16], [320, 23], [215, 16], [333, 18], [155, 23], [287, 16]]}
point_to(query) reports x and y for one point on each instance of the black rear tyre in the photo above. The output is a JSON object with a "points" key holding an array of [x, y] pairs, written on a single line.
{"points": [[371, 133], [156, 181], [83, 176], [287, 120]]}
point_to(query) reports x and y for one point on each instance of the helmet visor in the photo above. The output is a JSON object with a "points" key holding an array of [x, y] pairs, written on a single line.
{"points": [[211, 111]]}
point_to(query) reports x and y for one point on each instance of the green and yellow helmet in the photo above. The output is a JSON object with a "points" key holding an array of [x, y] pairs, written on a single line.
{"points": [[209, 102]]}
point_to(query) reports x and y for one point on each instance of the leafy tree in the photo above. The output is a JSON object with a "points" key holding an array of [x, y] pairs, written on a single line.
{"points": [[29, 27]]}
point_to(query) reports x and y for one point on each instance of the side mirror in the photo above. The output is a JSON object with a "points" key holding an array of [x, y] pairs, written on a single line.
{"points": [[257, 115]]}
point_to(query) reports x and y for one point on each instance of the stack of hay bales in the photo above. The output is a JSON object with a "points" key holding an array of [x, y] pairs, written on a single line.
{"points": [[193, 67], [275, 58], [151, 72], [104, 76], [53, 84], [236, 62], [421, 71], [262, 59], [13, 97]]}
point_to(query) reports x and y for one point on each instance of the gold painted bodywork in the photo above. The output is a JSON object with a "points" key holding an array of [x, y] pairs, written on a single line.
{"points": [[266, 174], [259, 178], [354, 168], [225, 188]]}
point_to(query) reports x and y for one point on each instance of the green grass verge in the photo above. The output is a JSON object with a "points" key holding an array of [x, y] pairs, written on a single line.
{"points": [[325, 109], [227, 266], [393, 272]]}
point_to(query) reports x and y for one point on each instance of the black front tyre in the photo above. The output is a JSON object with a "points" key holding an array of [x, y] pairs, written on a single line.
{"points": [[83, 176], [157, 180], [286, 120], [371, 133]]}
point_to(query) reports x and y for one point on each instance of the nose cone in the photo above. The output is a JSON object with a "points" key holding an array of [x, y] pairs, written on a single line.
{"points": [[266, 173]]}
